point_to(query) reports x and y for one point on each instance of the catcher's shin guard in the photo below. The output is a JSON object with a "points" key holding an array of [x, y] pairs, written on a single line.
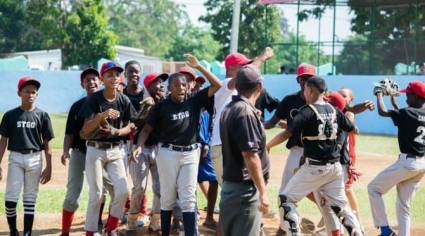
{"points": [[348, 220], [291, 219]]}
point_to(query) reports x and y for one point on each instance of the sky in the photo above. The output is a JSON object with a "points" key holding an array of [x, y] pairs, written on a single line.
{"points": [[309, 28]]}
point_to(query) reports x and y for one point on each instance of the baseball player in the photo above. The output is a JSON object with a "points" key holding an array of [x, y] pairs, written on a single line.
{"points": [[317, 125], [25, 131], [90, 82], [175, 122], [409, 169], [140, 167], [233, 62], [107, 116]]}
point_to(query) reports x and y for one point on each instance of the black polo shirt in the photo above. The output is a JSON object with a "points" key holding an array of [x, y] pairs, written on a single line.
{"points": [[411, 130], [26, 130], [74, 124], [178, 123], [97, 103], [266, 101], [241, 130], [307, 124], [286, 110]]}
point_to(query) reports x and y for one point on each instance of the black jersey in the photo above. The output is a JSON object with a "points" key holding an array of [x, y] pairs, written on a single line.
{"points": [[26, 130], [74, 124], [266, 101], [286, 110], [97, 103], [178, 123], [135, 99], [411, 130], [318, 126]]}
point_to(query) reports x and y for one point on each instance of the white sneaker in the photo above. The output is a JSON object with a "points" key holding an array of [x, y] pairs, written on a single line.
{"points": [[155, 223]]}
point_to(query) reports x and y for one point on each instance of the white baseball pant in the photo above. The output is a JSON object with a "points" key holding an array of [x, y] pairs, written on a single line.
{"points": [[139, 173], [178, 172], [406, 174], [328, 179], [112, 160], [23, 170]]}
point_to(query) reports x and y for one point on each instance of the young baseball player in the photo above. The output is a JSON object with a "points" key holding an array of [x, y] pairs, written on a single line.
{"points": [[317, 124], [107, 113], [89, 79], [140, 167], [25, 131], [175, 122], [409, 169]]}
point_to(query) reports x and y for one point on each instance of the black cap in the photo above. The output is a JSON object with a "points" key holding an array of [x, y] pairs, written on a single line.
{"points": [[248, 77], [318, 83], [88, 71]]}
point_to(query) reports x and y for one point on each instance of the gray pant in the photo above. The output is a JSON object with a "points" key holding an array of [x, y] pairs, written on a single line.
{"points": [[77, 163], [405, 173], [139, 173], [23, 170], [239, 212], [178, 172], [112, 161], [217, 160]]}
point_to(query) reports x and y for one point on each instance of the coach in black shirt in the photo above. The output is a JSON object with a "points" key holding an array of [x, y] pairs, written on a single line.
{"points": [[245, 161]]}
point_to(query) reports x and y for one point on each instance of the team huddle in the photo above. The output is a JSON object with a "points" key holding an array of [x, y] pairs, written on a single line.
{"points": [[187, 135]]}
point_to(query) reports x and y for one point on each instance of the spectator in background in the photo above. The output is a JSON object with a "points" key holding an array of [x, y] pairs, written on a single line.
{"points": [[421, 69], [283, 70]]}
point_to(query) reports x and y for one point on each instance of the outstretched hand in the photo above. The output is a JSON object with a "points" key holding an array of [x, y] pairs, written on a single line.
{"points": [[192, 61]]}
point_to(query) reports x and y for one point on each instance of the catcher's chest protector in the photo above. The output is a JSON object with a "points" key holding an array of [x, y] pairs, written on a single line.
{"points": [[326, 123]]}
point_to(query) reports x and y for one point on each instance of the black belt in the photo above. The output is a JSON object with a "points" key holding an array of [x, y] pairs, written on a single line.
{"points": [[27, 151], [180, 148], [320, 162], [412, 156], [103, 145]]}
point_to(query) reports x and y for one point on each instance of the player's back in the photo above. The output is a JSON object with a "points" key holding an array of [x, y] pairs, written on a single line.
{"points": [[411, 130]]}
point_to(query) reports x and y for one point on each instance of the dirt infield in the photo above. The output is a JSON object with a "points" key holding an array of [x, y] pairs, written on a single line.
{"points": [[49, 224]]}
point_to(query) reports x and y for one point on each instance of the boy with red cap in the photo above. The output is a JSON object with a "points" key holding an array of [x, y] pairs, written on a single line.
{"points": [[107, 113], [89, 79], [25, 131], [140, 166], [408, 170]]}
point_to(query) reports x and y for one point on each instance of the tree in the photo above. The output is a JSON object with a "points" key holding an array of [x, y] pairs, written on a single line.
{"points": [[12, 25], [87, 37], [192, 39], [252, 31], [354, 57], [148, 24]]}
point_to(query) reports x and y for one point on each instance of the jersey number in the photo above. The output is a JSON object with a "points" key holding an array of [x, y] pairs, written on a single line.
{"points": [[334, 129], [421, 137]]}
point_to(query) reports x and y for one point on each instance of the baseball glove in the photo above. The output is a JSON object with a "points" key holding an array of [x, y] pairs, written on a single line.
{"points": [[105, 130], [145, 106], [387, 87]]}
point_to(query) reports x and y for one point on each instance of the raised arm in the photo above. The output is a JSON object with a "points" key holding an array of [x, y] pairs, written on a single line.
{"points": [[265, 55], [382, 109], [192, 61], [394, 103]]}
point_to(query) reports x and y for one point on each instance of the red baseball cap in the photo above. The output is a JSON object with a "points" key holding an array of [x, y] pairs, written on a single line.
{"points": [[306, 69], [188, 70], [416, 87], [200, 79], [149, 78], [336, 100], [28, 80], [236, 58], [88, 71], [110, 66]]}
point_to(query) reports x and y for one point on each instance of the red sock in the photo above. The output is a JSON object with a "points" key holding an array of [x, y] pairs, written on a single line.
{"points": [[143, 203], [112, 223], [89, 233], [336, 233], [67, 217]]}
